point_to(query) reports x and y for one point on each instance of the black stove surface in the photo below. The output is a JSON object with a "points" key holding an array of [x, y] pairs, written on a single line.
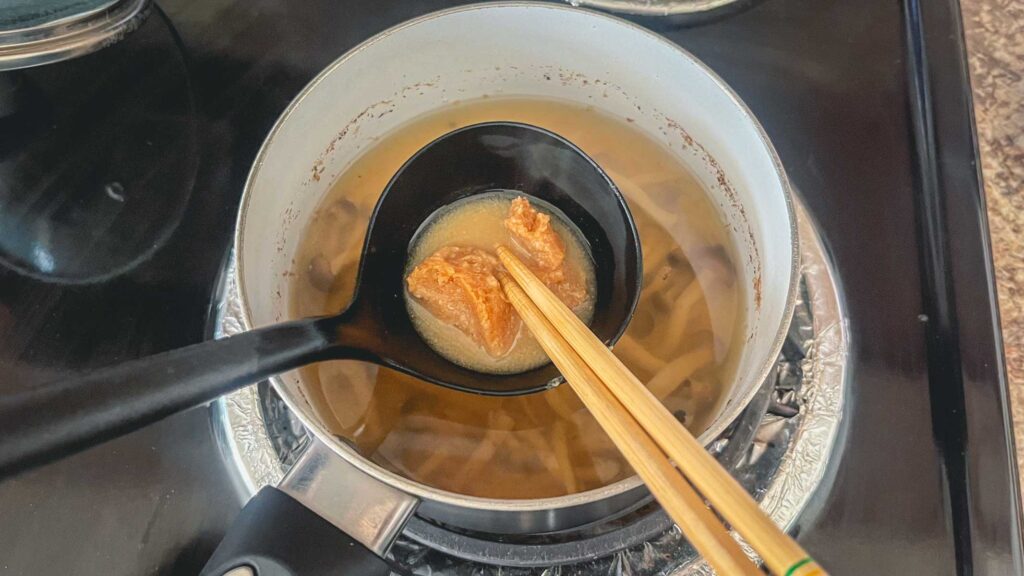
{"points": [[120, 174]]}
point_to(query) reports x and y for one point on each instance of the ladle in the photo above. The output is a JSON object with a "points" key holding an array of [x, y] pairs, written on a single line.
{"points": [[55, 419]]}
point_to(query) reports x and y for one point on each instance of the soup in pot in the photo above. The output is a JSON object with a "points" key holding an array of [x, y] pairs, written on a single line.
{"points": [[684, 340]]}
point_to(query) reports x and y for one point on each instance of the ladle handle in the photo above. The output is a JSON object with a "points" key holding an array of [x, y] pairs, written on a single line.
{"points": [[56, 419]]}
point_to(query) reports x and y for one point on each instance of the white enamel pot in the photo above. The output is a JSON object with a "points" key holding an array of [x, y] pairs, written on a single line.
{"points": [[506, 49]]}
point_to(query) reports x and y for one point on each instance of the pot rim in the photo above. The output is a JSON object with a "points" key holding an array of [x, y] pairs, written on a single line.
{"points": [[430, 493]]}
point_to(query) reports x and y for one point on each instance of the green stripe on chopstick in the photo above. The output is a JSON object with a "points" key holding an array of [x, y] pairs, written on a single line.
{"points": [[797, 566]]}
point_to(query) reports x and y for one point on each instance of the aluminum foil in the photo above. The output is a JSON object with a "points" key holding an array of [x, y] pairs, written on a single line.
{"points": [[778, 449]]}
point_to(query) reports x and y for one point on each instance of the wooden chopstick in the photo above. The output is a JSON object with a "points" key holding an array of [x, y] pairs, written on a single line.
{"points": [[683, 504], [781, 554]]}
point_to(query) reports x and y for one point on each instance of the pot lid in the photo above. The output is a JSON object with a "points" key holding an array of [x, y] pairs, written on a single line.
{"points": [[36, 32], [678, 8]]}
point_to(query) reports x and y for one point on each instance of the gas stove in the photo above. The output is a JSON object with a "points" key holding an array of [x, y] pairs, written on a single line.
{"points": [[120, 174]]}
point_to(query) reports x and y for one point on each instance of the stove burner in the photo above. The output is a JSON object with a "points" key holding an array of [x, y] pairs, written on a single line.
{"points": [[778, 449], [95, 174]]}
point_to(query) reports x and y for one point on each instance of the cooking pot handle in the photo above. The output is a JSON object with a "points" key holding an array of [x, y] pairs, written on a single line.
{"points": [[274, 535], [326, 517]]}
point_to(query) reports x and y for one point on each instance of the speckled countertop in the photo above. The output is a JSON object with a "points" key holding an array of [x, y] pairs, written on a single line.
{"points": [[995, 47]]}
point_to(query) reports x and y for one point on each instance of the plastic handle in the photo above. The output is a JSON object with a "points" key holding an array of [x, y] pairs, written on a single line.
{"points": [[54, 420], [274, 535]]}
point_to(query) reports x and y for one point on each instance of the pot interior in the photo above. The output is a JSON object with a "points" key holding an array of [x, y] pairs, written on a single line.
{"points": [[729, 203]]}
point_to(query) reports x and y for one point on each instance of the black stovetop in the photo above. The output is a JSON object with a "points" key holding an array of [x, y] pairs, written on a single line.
{"points": [[120, 173]]}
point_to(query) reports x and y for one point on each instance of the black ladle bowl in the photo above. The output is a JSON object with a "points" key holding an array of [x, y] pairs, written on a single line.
{"points": [[55, 419]]}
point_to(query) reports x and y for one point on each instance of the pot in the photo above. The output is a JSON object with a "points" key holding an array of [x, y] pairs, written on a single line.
{"points": [[525, 49]]}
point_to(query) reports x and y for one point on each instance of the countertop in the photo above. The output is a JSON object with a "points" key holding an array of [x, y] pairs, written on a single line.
{"points": [[995, 40]]}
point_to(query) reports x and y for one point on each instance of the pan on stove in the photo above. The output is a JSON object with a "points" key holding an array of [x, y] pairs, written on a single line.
{"points": [[337, 510]]}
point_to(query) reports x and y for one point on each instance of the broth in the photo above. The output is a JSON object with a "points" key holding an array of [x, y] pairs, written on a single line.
{"points": [[478, 223], [684, 339]]}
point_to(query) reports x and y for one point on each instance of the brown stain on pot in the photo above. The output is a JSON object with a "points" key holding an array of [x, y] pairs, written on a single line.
{"points": [[753, 255], [374, 111]]}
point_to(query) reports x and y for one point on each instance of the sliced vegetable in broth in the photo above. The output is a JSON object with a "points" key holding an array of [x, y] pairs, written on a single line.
{"points": [[684, 339]]}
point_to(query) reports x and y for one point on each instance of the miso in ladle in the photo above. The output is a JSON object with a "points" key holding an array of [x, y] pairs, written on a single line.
{"points": [[455, 300]]}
